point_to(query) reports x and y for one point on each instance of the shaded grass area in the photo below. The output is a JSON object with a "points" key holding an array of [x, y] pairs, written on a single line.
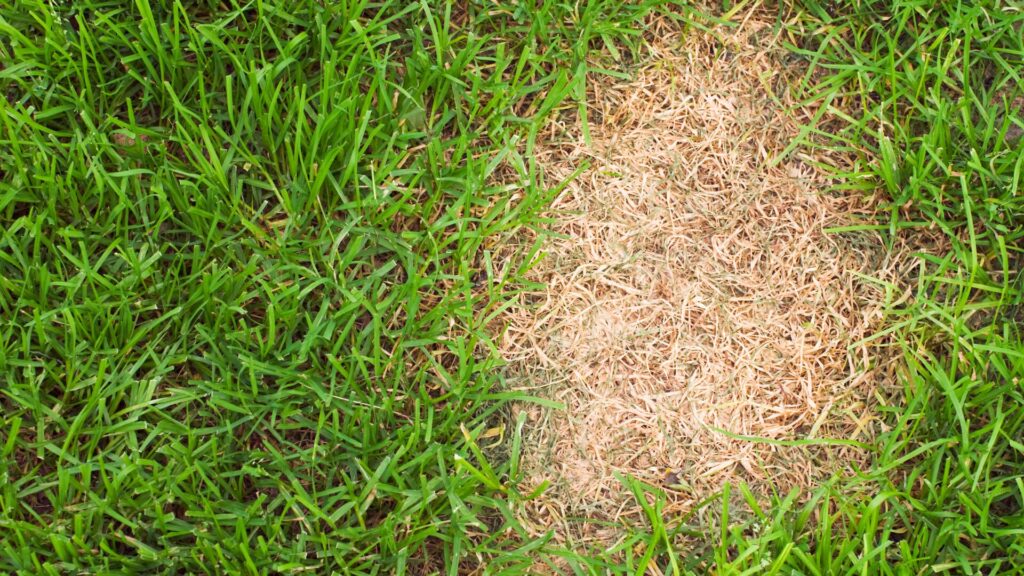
{"points": [[246, 270]]}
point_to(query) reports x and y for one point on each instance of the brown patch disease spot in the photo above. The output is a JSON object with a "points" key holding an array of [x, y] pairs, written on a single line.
{"points": [[692, 286]]}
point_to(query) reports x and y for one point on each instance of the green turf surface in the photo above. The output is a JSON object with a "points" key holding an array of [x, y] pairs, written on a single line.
{"points": [[251, 253]]}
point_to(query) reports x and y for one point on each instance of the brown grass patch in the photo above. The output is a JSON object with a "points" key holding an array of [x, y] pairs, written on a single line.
{"points": [[693, 286]]}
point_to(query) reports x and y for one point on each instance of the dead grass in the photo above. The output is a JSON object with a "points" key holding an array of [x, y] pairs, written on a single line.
{"points": [[691, 285]]}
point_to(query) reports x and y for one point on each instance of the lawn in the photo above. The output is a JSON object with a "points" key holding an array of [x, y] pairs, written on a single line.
{"points": [[254, 256]]}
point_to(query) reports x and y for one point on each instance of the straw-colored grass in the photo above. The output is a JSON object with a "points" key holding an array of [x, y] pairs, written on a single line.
{"points": [[692, 285]]}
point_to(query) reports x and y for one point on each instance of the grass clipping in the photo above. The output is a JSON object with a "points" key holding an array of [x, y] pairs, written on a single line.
{"points": [[691, 285]]}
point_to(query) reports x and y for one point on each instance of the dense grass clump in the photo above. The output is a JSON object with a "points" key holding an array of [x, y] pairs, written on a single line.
{"points": [[245, 271]]}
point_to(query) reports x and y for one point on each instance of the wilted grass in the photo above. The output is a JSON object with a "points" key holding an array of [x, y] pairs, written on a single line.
{"points": [[937, 108], [929, 95], [246, 275]]}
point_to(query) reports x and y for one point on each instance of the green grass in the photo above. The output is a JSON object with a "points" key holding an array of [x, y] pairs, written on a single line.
{"points": [[246, 271], [251, 255]]}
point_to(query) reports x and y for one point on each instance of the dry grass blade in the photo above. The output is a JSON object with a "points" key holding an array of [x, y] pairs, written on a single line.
{"points": [[692, 286]]}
